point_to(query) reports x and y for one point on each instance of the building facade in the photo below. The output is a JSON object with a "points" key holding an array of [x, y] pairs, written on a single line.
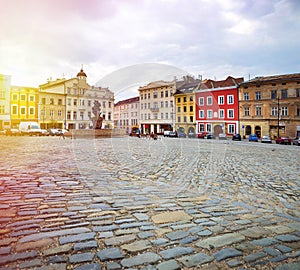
{"points": [[184, 98], [270, 106], [157, 112], [69, 103], [5, 101], [217, 106], [126, 114], [23, 105]]}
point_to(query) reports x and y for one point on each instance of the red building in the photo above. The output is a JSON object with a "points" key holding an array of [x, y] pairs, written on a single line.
{"points": [[217, 106]]}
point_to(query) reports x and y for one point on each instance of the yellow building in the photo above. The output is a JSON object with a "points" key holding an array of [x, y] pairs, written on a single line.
{"points": [[185, 106], [4, 101], [270, 105], [23, 104]]}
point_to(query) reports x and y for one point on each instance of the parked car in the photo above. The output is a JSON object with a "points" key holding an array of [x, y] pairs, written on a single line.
{"points": [[266, 139], [222, 136], [181, 135], [192, 134], [296, 141], [45, 132], [210, 136], [236, 137], [53, 132], [253, 138], [284, 140], [167, 133], [172, 134], [202, 135], [13, 132]]}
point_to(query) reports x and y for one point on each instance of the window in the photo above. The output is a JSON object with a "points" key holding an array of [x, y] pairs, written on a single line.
{"points": [[89, 103], [201, 113], [208, 127], [246, 111], [59, 113], [31, 110], [274, 111], [184, 99], [51, 101], [221, 113], [69, 115], [171, 103], [230, 113], [23, 110], [89, 115], [298, 92], [258, 95], [166, 93], [178, 100], [209, 113], [284, 111], [75, 91], [209, 100], [14, 109], [184, 119], [191, 108], [178, 119], [273, 94], [31, 98], [167, 116], [149, 116], [69, 101], [201, 101], [155, 95], [162, 116], [161, 104], [51, 113], [166, 104], [155, 105], [23, 97], [145, 96], [149, 105], [220, 100], [59, 102], [191, 119], [81, 115], [201, 127], [149, 96], [230, 99], [75, 102], [184, 108], [258, 111], [1, 109], [246, 96], [191, 98], [178, 109], [298, 111], [142, 106], [284, 93], [15, 97], [74, 115], [162, 94], [231, 128]]}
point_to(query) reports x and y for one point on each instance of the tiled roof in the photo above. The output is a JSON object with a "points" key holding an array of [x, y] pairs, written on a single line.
{"points": [[273, 78], [187, 87], [229, 81], [127, 101]]}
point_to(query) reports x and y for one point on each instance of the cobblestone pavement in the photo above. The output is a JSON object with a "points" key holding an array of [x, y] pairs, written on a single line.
{"points": [[129, 203]]}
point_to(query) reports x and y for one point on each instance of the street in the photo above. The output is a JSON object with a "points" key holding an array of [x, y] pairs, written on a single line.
{"points": [[130, 203]]}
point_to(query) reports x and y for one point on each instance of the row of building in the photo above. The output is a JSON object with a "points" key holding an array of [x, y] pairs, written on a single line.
{"points": [[263, 105]]}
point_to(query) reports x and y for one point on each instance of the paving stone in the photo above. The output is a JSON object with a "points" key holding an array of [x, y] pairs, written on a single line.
{"points": [[256, 232], [89, 266], [30, 264], [82, 257], [113, 266], [205, 233], [145, 258], [159, 241], [76, 238], [57, 250], [279, 258], [254, 256], [57, 259], [289, 266], [137, 246], [141, 216], [187, 240], [196, 259], [272, 251], [105, 228], [4, 259], [85, 245], [167, 217], [177, 235], [168, 265], [220, 240], [264, 242], [110, 254], [234, 263], [144, 235], [119, 240], [176, 252], [227, 253], [287, 238]]}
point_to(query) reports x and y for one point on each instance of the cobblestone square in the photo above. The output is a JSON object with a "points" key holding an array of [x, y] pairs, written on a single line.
{"points": [[129, 203]]}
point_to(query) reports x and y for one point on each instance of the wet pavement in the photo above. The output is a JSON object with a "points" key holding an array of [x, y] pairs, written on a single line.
{"points": [[129, 203]]}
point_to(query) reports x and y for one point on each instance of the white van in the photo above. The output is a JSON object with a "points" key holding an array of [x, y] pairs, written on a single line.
{"points": [[30, 128]]}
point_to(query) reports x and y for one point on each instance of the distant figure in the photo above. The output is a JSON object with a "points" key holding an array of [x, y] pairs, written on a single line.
{"points": [[98, 119]]}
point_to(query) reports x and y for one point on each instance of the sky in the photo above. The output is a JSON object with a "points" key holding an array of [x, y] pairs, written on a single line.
{"points": [[212, 38]]}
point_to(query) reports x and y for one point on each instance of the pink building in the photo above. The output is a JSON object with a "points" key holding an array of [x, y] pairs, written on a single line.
{"points": [[217, 106]]}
